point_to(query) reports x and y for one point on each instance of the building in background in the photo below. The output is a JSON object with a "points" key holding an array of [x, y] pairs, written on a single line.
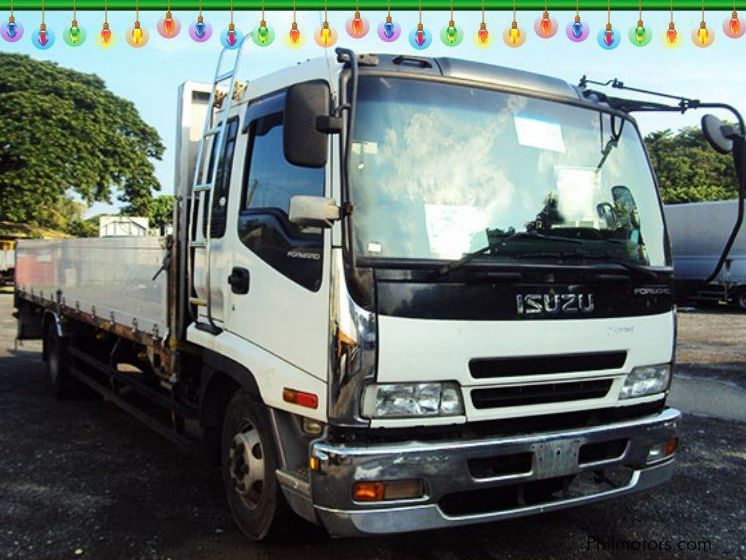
{"points": [[122, 226]]}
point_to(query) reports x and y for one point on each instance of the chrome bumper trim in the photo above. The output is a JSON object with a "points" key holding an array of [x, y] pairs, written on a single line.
{"points": [[417, 518], [443, 467]]}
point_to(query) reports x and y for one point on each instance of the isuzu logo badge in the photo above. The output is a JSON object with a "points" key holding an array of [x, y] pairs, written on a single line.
{"points": [[553, 304]]}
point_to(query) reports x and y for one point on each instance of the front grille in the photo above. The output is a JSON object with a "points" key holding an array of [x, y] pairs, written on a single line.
{"points": [[482, 368], [540, 394]]}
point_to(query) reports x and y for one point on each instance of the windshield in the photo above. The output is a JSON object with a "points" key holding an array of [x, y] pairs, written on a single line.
{"points": [[438, 171]]}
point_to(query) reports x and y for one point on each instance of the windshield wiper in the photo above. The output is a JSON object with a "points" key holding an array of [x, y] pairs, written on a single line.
{"points": [[468, 257], [542, 236], [453, 265]]}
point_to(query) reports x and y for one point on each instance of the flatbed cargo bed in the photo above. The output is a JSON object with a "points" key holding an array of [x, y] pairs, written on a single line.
{"points": [[107, 279]]}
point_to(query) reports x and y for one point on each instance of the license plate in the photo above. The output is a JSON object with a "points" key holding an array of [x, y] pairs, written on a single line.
{"points": [[556, 458]]}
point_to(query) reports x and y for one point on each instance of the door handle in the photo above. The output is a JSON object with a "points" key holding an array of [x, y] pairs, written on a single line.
{"points": [[239, 280]]}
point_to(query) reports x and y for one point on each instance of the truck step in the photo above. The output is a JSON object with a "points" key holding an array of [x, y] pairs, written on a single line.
{"points": [[202, 187], [198, 244], [198, 301]]}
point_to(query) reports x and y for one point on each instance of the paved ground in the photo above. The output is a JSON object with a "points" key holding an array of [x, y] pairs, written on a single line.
{"points": [[81, 479]]}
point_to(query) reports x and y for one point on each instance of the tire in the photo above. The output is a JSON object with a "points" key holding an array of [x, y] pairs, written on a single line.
{"points": [[249, 460], [62, 383]]}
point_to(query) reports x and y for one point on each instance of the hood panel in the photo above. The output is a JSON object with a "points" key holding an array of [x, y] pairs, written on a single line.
{"points": [[431, 350]]}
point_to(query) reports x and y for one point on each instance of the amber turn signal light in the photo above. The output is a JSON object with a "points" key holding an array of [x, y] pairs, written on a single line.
{"points": [[672, 445], [308, 400], [379, 491]]}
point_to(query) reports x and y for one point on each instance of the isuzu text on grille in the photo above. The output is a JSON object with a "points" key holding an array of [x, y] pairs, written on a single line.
{"points": [[529, 304]]}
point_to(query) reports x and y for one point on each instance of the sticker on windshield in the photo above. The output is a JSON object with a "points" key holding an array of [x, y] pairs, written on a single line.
{"points": [[536, 133], [454, 230], [578, 189]]}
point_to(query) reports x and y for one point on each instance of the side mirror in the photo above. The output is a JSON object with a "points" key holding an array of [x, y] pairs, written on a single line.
{"points": [[313, 211], [303, 143], [718, 134]]}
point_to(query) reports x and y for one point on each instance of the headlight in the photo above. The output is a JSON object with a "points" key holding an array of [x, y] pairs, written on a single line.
{"points": [[646, 380], [408, 400]]}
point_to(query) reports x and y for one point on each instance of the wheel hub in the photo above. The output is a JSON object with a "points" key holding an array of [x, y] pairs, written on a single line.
{"points": [[246, 465]]}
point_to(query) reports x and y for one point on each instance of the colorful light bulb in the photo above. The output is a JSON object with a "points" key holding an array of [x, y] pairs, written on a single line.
{"points": [[608, 38], [357, 26], [294, 35], [263, 32], [639, 35], [483, 38], [200, 31], [546, 26], [137, 36], [263, 35], [420, 38], [514, 36], [733, 26], [325, 36], [106, 38], [11, 31], [231, 37], [451, 32], [451, 35], [43, 38], [389, 31], [106, 34], [703, 36], [168, 27], [671, 38], [577, 31], [388, 28], [75, 35]]}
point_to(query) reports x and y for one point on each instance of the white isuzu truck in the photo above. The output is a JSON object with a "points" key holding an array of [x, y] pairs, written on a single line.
{"points": [[403, 293]]}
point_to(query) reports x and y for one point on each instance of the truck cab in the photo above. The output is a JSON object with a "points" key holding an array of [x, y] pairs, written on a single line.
{"points": [[445, 287]]}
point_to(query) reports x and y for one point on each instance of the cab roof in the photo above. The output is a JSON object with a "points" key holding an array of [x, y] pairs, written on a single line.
{"points": [[415, 66], [458, 69]]}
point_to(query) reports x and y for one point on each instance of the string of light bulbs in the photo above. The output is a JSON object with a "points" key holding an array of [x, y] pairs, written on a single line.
{"points": [[357, 27]]}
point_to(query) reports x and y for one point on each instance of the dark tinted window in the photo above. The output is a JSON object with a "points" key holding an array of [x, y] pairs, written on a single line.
{"points": [[222, 183], [269, 184]]}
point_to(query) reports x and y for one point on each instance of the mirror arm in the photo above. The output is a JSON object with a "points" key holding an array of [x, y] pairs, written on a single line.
{"points": [[739, 159], [348, 56]]}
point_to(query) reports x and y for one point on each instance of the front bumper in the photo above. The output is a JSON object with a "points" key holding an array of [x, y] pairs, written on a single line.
{"points": [[447, 471]]}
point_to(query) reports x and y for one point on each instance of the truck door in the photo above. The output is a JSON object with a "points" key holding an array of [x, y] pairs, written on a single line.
{"points": [[279, 280], [223, 151]]}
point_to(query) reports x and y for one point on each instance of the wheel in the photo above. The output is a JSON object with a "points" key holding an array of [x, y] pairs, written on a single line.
{"points": [[249, 461], [63, 384]]}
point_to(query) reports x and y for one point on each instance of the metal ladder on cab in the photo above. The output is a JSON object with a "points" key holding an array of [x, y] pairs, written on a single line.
{"points": [[201, 197]]}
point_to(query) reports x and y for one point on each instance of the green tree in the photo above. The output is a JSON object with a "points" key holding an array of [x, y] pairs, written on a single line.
{"points": [[63, 132], [161, 211], [688, 169]]}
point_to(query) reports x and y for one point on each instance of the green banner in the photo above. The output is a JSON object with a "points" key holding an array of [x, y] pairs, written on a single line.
{"points": [[459, 5]]}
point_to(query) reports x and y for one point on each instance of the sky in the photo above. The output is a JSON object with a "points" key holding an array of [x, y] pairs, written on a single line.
{"points": [[150, 76]]}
